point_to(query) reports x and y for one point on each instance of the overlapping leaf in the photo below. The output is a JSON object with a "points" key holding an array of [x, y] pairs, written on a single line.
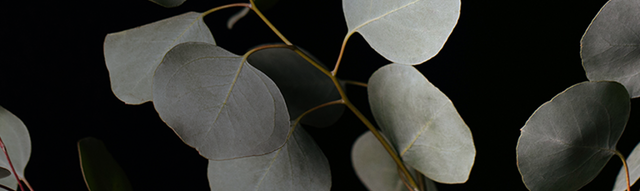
{"points": [[633, 161], [298, 165], [168, 3], [611, 46], [422, 123], [375, 168], [302, 85], [568, 140], [133, 55], [15, 137], [224, 108], [403, 31], [100, 171]]}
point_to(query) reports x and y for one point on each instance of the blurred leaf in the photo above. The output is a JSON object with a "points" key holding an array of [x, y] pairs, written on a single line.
{"points": [[224, 108], [15, 137], [611, 46], [568, 140], [100, 171], [633, 161], [403, 31], [298, 165], [422, 123], [133, 55], [168, 3], [302, 85]]}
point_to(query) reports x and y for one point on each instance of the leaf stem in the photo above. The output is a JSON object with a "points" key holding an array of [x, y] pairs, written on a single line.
{"points": [[224, 7], [266, 21], [626, 168], [351, 82], [340, 101], [344, 44], [13, 170]]}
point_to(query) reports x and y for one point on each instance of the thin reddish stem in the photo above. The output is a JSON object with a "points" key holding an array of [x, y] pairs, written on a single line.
{"points": [[13, 170]]}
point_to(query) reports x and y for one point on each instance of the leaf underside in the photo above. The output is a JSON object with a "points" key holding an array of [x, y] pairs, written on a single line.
{"points": [[100, 171], [15, 137]]}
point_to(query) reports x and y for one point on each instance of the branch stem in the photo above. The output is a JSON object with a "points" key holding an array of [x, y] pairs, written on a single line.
{"points": [[266, 21], [224, 7], [13, 170], [626, 168]]}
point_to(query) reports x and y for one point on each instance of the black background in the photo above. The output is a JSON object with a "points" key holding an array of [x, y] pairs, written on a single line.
{"points": [[502, 61]]}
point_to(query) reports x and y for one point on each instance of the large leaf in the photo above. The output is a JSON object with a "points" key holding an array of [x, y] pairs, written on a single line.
{"points": [[15, 137], [422, 123], [168, 3], [298, 165], [302, 85], [133, 55], [611, 46], [633, 161], [568, 140], [403, 31], [375, 168], [224, 108], [100, 171]]}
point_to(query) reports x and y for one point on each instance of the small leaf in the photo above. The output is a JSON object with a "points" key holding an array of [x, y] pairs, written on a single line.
{"points": [[100, 171], [633, 161], [302, 85], [568, 140], [15, 137], [611, 46], [224, 108], [168, 3], [298, 165], [133, 55], [422, 123], [403, 31]]}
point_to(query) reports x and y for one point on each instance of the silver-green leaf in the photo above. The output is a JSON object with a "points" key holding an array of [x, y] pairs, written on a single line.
{"points": [[133, 55], [633, 161], [569, 139], [403, 31], [216, 103], [298, 165], [422, 123], [15, 137], [610, 47], [168, 3]]}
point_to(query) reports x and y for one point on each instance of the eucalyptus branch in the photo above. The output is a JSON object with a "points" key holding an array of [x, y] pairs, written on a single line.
{"points": [[626, 168], [340, 101], [224, 7], [344, 44], [351, 82], [13, 170], [266, 21]]}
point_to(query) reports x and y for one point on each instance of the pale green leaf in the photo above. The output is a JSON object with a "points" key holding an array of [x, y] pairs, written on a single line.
{"points": [[15, 137], [611, 46], [375, 168], [403, 31], [100, 171], [633, 161], [568, 140], [168, 3], [222, 107], [302, 85], [422, 123], [133, 55], [298, 165]]}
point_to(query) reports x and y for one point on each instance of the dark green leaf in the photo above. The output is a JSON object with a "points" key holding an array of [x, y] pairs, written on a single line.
{"points": [[101, 172]]}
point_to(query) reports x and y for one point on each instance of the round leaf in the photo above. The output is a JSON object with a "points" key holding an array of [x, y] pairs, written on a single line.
{"points": [[302, 85], [611, 46], [224, 108], [100, 171], [568, 140], [633, 161], [298, 165], [403, 31], [133, 55], [422, 123], [15, 137]]}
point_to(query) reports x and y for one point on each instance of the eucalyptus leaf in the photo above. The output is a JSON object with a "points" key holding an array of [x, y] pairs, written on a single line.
{"points": [[133, 55], [15, 137], [298, 165], [100, 171], [403, 31], [610, 47], [168, 3], [302, 85], [219, 105], [375, 168], [633, 161], [422, 123], [568, 140]]}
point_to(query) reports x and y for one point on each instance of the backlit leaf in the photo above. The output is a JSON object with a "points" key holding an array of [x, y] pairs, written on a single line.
{"points": [[168, 3], [298, 165], [403, 31], [611, 46], [568, 140], [222, 107], [100, 171], [15, 137], [133, 55], [422, 123], [633, 161]]}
